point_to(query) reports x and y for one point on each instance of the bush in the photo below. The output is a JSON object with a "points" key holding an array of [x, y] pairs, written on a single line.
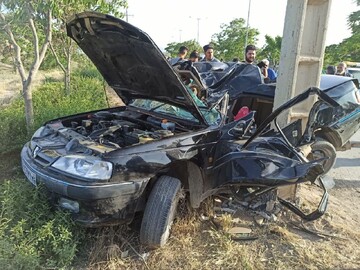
{"points": [[50, 101], [32, 235]]}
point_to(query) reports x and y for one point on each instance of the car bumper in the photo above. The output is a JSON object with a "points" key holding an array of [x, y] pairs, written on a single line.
{"points": [[92, 205]]}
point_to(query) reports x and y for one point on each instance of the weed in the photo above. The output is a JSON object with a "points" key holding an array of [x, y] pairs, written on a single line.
{"points": [[32, 235]]}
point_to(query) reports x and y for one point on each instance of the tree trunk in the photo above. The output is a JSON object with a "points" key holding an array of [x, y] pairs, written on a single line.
{"points": [[39, 55], [29, 111], [68, 70]]}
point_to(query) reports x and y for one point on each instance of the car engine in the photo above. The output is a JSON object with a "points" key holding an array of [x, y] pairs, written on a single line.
{"points": [[113, 129]]}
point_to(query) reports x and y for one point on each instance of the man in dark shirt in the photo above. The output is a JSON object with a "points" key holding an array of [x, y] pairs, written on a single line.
{"points": [[183, 50], [209, 54]]}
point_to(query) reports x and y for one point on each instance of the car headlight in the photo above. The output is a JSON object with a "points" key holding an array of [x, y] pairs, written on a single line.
{"points": [[87, 167]]}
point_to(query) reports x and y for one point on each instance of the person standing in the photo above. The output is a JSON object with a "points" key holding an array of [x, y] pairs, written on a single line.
{"points": [[341, 70], [194, 56], [331, 70], [209, 54], [268, 73], [250, 54], [183, 50]]}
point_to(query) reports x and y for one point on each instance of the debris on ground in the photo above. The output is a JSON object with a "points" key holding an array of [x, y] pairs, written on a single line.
{"points": [[243, 215]]}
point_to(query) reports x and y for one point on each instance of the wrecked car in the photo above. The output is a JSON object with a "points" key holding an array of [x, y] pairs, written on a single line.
{"points": [[106, 166], [246, 88]]}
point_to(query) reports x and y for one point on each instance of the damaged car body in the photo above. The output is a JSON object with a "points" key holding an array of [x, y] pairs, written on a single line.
{"points": [[246, 88], [165, 144]]}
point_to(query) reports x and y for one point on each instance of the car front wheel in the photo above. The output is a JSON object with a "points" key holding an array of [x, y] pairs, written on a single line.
{"points": [[323, 148], [160, 212]]}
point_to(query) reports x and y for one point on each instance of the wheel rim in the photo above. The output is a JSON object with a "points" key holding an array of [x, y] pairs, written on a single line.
{"points": [[318, 154]]}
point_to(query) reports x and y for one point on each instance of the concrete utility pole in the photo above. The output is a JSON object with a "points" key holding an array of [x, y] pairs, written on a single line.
{"points": [[301, 59]]}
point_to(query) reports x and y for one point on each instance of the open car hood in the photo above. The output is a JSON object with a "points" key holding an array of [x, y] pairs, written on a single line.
{"points": [[129, 60]]}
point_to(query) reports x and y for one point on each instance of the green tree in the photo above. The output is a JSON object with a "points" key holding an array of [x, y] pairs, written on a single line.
{"points": [[28, 24], [271, 50], [172, 49], [230, 42], [62, 46], [18, 19], [349, 48]]}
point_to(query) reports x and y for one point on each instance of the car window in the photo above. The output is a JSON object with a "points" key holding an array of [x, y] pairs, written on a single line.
{"points": [[343, 93]]}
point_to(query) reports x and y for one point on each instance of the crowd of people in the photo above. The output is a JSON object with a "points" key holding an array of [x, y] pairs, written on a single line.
{"points": [[268, 73], [340, 70]]}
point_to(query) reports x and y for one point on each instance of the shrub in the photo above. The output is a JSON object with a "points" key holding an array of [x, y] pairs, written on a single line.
{"points": [[32, 235], [50, 101]]}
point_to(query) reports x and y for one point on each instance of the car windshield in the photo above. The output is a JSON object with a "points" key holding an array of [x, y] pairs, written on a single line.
{"points": [[212, 116], [342, 93], [355, 72]]}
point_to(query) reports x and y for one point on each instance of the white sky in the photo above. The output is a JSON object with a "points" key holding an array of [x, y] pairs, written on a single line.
{"points": [[167, 21]]}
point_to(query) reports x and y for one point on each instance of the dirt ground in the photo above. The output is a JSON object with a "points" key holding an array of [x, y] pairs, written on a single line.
{"points": [[10, 83]]}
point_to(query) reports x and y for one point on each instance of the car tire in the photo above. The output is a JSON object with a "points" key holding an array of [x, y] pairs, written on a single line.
{"points": [[160, 212], [323, 148]]}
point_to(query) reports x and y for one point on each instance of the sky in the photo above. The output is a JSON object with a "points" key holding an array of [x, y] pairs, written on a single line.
{"points": [[167, 21]]}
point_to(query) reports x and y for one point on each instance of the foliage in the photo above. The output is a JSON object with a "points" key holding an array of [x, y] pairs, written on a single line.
{"points": [[64, 9], [61, 10], [173, 48], [230, 42], [349, 48], [354, 21], [32, 235], [17, 14], [50, 102], [271, 50]]}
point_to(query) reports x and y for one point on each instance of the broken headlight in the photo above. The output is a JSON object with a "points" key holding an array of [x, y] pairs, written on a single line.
{"points": [[86, 167]]}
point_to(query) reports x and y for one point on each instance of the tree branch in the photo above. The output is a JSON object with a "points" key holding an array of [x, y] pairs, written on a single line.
{"points": [[18, 62], [33, 30], [48, 38], [56, 57]]}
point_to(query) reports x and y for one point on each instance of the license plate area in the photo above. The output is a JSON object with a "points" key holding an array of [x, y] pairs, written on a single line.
{"points": [[31, 176]]}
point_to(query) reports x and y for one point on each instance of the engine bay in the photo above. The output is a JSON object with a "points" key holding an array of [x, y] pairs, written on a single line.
{"points": [[115, 129]]}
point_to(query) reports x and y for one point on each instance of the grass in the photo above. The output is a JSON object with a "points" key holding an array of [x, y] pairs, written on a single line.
{"points": [[50, 102], [35, 236]]}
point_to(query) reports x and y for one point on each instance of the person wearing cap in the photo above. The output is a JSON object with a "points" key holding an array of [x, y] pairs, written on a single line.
{"points": [[194, 56], [271, 73], [209, 54], [183, 50], [268, 73]]}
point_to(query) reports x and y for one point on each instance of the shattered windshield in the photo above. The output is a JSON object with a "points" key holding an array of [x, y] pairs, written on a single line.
{"points": [[212, 116]]}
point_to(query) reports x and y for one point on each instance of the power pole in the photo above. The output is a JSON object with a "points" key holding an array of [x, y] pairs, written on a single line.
{"points": [[247, 26], [198, 29], [127, 15]]}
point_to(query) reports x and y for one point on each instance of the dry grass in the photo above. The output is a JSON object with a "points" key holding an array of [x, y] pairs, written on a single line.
{"points": [[198, 243], [11, 87]]}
